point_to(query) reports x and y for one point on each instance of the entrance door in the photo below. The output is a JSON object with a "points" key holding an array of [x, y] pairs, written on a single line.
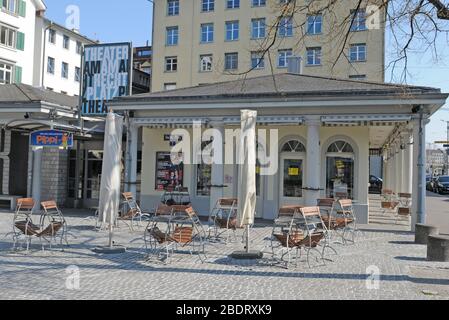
{"points": [[291, 184]]}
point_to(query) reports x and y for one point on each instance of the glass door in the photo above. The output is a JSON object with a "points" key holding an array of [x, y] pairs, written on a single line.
{"points": [[340, 175], [292, 172]]}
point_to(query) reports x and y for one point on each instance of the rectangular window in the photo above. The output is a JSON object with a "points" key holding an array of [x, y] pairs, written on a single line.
{"points": [[51, 65], [232, 30], [283, 56], [259, 3], [52, 36], [358, 20], [231, 61], [66, 42], [258, 28], [169, 86], [286, 27], [171, 64], [206, 63], [314, 24], [172, 36], [5, 73], [8, 37], [257, 60], [208, 5], [172, 7], [232, 4], [14, 7], [203, 179], [358, 77], [77, 74], [207, 32], [78, 47], [168, 174], [357, 52], [65, 70], [314, 56]]}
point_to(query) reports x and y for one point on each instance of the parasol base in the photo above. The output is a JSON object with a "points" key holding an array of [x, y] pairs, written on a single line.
{"points": [[110, 250], [245, 255]]}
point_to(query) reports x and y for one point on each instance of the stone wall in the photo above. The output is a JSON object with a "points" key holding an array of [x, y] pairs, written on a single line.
{"points": [[54, 175]]}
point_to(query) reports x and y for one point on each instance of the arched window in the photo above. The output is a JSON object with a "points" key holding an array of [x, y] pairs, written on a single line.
{"points": [[293, 146], [340, 170]]}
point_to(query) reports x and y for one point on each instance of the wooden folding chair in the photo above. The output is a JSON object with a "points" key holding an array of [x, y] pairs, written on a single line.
{"points": [[56, 225], [131, 211], [23, 225]]}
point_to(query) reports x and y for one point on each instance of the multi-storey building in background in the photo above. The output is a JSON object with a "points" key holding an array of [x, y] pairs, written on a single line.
{"points": [[204, 41], [37, 51]]}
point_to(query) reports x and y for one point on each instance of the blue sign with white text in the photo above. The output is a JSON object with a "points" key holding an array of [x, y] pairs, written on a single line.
{"points": [[51, 138]]}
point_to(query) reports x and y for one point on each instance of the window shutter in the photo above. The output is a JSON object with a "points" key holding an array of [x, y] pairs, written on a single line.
{"points": [[18, 74], [22, 8], [20, 45]]}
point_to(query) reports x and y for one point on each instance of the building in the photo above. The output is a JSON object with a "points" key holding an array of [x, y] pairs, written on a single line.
{"points": [[325, 130], [206, 41], [18, 20], [142, 58], [437, 161], [57, 55]]}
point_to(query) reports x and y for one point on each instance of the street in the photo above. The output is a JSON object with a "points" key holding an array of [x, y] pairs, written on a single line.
{"points": [[438, 211]]}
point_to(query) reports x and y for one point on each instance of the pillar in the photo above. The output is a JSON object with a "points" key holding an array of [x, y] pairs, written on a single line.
{"points": [[407, 171], [134, 137], [419, 172], [399, 166], [37, 179], [313, 163], [217, 169]]}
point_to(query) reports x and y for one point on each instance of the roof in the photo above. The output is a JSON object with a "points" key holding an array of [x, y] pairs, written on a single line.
{"points": [[17, 93], [72, 32], [282, 85]]}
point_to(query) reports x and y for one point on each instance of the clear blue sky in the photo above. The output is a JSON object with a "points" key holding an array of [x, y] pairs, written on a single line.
{"points": [[118, 21]]}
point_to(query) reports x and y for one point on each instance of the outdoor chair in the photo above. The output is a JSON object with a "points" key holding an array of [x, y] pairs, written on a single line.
{"points": [[223, 219], [56, 225], [131, 212], [346, 221], [405, 207], [23, 225], [341, 195]]}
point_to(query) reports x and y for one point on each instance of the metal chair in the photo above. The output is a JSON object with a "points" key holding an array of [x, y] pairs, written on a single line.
{"points": [[346, 221], [131, 211], [223, 218], [56, 225], [23, 225]]}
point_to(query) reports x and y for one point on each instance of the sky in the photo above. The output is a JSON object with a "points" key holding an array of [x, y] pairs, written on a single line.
{"points": [[112, 21]]}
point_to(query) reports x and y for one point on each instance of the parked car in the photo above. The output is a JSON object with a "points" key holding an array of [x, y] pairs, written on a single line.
{"points": [[375, 184], [442, 184]]}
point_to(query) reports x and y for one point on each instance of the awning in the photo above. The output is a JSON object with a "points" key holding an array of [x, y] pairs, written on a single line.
{"points": [[170, 122], [269, 120], [365, 120]]}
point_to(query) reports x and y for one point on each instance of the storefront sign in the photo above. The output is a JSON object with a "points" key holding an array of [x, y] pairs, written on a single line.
{"points": [[106, 75], [293, 171], [51, 138]]}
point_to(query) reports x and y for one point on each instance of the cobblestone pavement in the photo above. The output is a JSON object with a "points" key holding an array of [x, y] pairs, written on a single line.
{"points": [[404, 272]]}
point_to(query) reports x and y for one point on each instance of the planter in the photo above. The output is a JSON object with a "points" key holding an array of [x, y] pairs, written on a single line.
{"points": [[438, 248], [389, 204], [423, 231]]}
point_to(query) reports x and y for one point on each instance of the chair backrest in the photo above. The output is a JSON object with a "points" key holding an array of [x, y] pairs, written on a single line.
{"points": [[227, 202], [128, 196], [289, 211], [163, 210], [341, 195], [49, 206], [308, 212], [325, 202], [345, 204], [314, 225], [25, 204]]}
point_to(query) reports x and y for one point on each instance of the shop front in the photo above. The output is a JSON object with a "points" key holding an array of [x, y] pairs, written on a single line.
{"points": [[321, 140]]}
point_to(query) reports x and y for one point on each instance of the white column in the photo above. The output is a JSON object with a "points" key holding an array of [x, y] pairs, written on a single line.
{"points": [[407, 171], [37, 180], [134, 137], [398, 172], [419, 173], [217, 174], [313, 163]]}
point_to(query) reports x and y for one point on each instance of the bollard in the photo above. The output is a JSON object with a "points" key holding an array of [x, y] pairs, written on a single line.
{"points": [[438, 248], [423, 231]]}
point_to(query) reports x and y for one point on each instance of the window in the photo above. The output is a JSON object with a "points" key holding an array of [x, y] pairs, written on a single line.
{"points": [[171, 64], [206, 63], [172, 36], [169, 86], [258, 28], [65, 70], [12, 6], [314, 24], [51, 65], [286, 27], [314, 56], [5, 73], [358, 77], [231, 61], [357, 52], [78, 47], [172, 7], [257, 60], [207, 32], [52, 36], [232, 4], [283, 56], [232, 30], [7, 36], [358, 20], [340, 169], [203, 179], [77, 74], [293, 146], [259, 3], [66, 42], [208, 5]]}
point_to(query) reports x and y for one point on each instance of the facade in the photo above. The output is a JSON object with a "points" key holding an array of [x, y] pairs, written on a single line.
{"points": [[142, 58], [325, 130], [437, 161], [206, 41], [17, 40], [57, 55]]}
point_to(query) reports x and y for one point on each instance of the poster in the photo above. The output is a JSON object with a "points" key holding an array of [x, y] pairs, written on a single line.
{"points": [[51, 138], [106, 75]]}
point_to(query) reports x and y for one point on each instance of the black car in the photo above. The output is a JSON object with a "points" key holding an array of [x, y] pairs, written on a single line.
{"points": [[442, 184], [375, 184]]}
